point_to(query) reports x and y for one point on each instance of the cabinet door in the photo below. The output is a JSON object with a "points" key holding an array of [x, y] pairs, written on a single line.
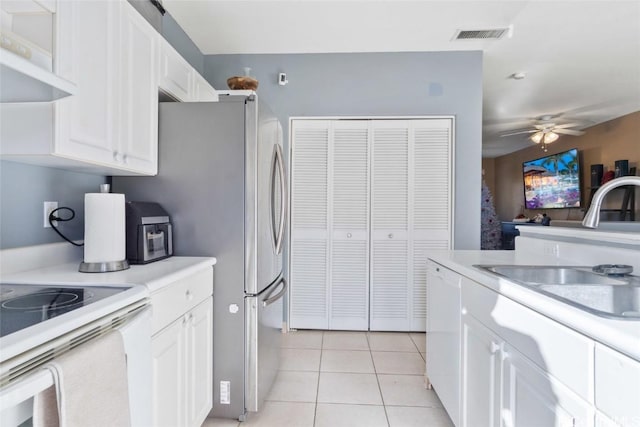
{"points": [[84, 123], [532, 398], [309, 269], [480, 374], [175, 73], [199, 366], [138, 105], [168, 375], [443, 336], [349, 223], [202, 91], [390, 258]]}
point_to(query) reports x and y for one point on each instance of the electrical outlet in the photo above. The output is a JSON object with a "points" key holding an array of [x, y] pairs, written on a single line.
{"points": [[48, 208], [551, 249]]}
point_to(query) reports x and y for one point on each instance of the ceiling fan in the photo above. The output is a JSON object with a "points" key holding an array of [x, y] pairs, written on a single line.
{"points": [[545, 131]]}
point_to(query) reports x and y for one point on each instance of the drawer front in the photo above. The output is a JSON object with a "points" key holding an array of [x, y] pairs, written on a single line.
{"points": [[617, 386], [556, 349], [178, 297]]}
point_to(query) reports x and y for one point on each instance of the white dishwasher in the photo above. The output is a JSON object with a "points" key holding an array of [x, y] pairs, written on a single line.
{"points": [[443, 336]]}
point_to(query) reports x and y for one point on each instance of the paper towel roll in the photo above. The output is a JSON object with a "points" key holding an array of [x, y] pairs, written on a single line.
{"points": [[104, 227]]}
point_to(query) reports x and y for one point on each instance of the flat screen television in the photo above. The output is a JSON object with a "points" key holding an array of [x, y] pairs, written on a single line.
{"points": [[552, 182]]}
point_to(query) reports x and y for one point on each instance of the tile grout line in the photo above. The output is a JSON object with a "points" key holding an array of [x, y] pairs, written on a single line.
{"points": [[315, 409], [375, 370]]}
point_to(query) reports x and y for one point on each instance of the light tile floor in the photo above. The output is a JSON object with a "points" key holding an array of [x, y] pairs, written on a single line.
{"points": [[349, 379]]}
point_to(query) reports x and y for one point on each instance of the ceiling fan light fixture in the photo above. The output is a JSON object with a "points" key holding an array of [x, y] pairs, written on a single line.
{"points": [[550, 137], [537, 137]]}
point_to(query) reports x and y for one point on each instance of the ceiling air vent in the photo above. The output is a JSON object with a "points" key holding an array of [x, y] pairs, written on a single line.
{"points": [[493, 34]]}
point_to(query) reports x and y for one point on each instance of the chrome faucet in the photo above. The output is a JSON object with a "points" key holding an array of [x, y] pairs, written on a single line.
{"points": [[592, 218]]}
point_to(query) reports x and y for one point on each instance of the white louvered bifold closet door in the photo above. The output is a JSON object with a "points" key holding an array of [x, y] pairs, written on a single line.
{"points": [[330, 225], [349, 222], [390, 302], [369, 199], [431, 225], [309, 262], [411, 213]]}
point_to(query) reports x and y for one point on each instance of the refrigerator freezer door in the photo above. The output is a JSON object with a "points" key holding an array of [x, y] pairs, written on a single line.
{"points": [[264, 339], [264, 198]]}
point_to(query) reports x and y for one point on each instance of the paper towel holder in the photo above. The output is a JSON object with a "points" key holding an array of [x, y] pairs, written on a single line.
{"points": [[106, 266], [103, 267]]}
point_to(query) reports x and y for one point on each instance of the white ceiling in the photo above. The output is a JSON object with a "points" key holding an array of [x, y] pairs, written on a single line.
{"points": [[581, 58]]}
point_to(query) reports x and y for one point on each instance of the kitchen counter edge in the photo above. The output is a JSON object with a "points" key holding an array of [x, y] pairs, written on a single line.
{"points": [[622, 335]]}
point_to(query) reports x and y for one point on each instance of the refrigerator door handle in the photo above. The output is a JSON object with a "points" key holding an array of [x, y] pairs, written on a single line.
{"points": [[268, 299], [283, 199], [272, 210]]}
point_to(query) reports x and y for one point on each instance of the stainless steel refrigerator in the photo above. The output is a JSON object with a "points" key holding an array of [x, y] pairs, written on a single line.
{"points": [[222, 180]]}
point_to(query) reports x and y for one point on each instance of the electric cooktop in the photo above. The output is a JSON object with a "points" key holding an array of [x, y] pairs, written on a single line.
{"points": [[25, 305]]}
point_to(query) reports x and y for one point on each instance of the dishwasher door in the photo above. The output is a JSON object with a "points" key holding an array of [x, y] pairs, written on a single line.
{"points": [[443, 336]]}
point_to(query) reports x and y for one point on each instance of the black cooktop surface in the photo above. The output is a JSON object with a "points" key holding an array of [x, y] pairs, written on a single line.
{"points": [[24, 305]]}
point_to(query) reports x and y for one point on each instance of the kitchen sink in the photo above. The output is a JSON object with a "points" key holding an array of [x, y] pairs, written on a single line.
{"points": [[538, 275], [606, 296], [617, 301]]}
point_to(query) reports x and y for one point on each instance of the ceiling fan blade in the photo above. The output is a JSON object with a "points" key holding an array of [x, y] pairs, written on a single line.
{"points": [[569, 132], [543, 126], [519, 132], [566, 125]]}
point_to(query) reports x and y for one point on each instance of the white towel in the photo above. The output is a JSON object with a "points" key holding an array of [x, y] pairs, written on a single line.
{"points": [[91, 386]]}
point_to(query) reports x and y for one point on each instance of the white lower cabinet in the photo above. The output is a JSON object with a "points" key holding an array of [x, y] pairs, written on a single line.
{"points": [[182, 350], [531, 397], [617, 383], [168, 386], [510, 377], [480, 374], [443, 336]]}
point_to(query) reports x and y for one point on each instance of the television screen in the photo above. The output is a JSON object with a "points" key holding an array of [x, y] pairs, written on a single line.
{"points": [[552, 181]]}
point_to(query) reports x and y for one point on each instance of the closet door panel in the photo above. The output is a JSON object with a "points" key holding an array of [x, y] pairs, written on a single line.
{"points": [[390, 257], [349, 219], [309, 252], [431, 207]]}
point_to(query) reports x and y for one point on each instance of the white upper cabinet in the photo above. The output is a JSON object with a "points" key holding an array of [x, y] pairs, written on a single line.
{"points": [[180, 80], [176, 74], [138, 106], [202, 91], [26, 56], [117, 62], [110, 126]]}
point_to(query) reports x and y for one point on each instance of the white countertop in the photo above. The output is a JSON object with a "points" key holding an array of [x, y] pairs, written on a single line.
{"points": [[154, 275], [141, 279], [622, 335]]}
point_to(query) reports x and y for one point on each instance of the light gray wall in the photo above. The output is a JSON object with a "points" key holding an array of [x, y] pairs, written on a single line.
{"points": [[379, 84], [24, 188]]}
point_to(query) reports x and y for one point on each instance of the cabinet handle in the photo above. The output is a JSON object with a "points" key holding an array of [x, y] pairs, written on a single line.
{"points": [[115, 156], [494, 348], [125, 160], [189, 295], [438, 269], [185, 318], [505, 355], [391, 235], [348, 235]]}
